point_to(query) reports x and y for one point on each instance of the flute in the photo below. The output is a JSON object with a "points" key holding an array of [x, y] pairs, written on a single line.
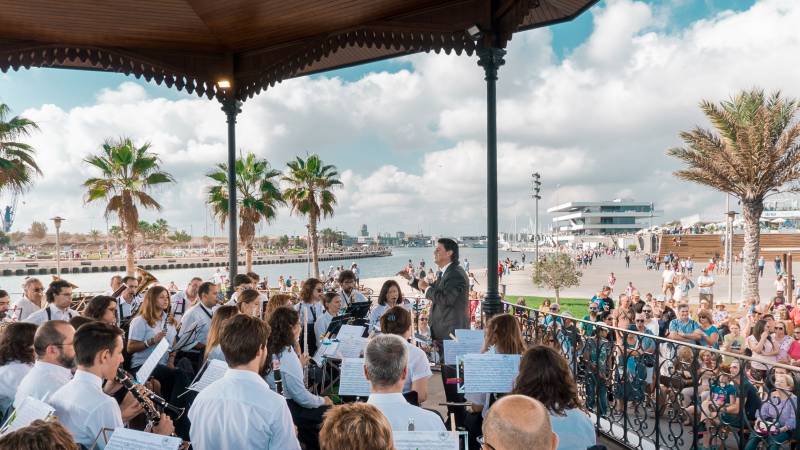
{"points": [[305, 344]]}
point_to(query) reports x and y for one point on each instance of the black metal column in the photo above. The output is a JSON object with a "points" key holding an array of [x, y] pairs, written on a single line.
{"points": [[491, 58], [232, 108]]}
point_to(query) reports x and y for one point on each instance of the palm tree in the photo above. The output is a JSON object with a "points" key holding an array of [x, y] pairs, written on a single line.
{"points": [[310, 195], [755, 151], [258, 196], [128, 173], [17, 165]]}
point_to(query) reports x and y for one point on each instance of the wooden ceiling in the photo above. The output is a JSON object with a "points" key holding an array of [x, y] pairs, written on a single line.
{"points": [[192, 44]]}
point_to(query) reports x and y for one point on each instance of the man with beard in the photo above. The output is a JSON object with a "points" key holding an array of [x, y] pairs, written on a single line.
{"points": [[31, 301], [55, 359], [4, 301]]}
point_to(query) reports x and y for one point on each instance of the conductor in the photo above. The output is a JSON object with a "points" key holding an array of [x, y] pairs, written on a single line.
{"points": [[449, 298]]}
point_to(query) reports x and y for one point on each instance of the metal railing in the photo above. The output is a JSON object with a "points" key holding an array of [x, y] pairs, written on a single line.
{"points": [[647, 392]]}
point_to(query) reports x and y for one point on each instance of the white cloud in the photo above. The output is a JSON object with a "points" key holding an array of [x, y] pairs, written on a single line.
{"points": [[410, 144]]}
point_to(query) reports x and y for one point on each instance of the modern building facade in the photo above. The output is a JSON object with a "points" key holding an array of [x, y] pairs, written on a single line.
{"points": [[601, 218]]}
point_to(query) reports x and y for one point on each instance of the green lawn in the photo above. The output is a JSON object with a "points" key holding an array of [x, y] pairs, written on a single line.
{"points": [[577, 306]]}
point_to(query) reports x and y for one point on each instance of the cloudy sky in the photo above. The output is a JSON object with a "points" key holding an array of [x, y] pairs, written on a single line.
{"points": [[592, 105]]}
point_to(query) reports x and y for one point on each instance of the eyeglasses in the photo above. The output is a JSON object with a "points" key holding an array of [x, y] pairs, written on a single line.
{"points": [[780, 328], [639, 320], [423, 320]]}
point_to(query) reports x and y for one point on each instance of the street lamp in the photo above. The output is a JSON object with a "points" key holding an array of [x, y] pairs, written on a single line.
{"points": [[536, 187], [57, 221]]}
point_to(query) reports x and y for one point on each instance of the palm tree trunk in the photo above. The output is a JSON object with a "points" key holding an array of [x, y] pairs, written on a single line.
{"points": [[558, 297], [312, 230], [130, 249], [248, 252], [751, 210]]}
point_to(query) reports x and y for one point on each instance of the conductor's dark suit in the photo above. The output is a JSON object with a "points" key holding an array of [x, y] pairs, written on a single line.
{"points": [[449, 297]]}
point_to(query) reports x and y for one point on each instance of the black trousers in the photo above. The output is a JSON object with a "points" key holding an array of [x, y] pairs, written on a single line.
{"points": [[308, 422], [451, 391], [174, 383]]}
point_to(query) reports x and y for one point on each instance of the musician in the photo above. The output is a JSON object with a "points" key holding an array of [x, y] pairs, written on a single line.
{"points": [[276, 301], [59, 299], [356, 426], [307, 409], [240, 283], [389, 296], [102, 308], [518, 422], [213, 348], [31, 301], [183, 300], [200, 314], [239, 411], [397, 320], [55, 359], [310, 309], [148, 328], [386, 368], [81, 405], [348, 291], [260, 286], [247, 302], [5, 300], [116, 283], [332, 302], [16, 360], [129, 301]]}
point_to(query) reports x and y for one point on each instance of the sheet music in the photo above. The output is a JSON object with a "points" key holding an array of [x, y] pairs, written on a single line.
{"points": [[29, 410], [350, 331], [353, 347], [326, 350], [152, 361], [128, 439], [489, 372], [428, 440], [454, 349], [352, 380], [215, 369], [186, 339], [470, 336]]}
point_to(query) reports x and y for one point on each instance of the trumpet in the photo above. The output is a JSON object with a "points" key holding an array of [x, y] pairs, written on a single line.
{"points": [[146, 279]]}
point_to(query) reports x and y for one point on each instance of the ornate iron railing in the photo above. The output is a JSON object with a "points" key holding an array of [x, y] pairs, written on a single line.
{"points": [[647, 392]]}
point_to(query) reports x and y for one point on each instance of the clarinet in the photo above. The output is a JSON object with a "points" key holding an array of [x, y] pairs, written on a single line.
{"points": [[276, 370], [152, 403]]}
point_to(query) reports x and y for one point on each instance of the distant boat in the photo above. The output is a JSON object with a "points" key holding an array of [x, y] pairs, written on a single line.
{"points": [[480, 244]]}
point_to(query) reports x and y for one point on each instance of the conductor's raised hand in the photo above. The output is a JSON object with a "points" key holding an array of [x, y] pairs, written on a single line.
{"points": [[423, 284]]}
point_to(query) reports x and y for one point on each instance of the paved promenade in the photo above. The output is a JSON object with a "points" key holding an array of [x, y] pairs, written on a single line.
{"points": [[596, 275]]}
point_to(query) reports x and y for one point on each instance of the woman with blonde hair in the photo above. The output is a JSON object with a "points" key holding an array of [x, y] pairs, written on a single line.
{"points": [[223, 313], [275, 302], [356, 426]]}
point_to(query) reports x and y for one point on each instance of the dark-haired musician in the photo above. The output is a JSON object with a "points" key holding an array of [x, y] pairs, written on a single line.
{"points": [[128, 302], [81, 405], [240, 410], [59, 299]]}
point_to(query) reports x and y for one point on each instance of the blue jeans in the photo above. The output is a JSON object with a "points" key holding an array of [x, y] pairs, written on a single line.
{"points": [[773, 441]]}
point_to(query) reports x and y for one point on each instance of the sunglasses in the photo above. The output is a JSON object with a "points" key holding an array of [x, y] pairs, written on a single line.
{"points": [[423, 320], [639, 320], [780, 328]]}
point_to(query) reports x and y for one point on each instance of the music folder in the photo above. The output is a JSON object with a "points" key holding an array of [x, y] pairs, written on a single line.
{"points": [[336, 324], [358, 310]]}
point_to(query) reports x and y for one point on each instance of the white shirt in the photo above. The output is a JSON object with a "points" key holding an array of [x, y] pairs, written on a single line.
{"points": [[292, 380], [40, 316], [313, 311], [321, 326], [239, 411], [42, 381], [180, 304], [202, 316], [668, 276], [125, 309], [84, 409], [653, 326], [375, 316], [25, 308], [141, 331], [399, 411], [10, 376], [216, 353], [418, 366], [702, 279], [354, 297]]}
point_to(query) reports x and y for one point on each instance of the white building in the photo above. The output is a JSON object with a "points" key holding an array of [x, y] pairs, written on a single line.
{"points": [[601, 218]]}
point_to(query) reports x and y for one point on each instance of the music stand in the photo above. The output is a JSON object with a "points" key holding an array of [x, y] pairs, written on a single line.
{"points": [[336, 324], [358, 310]]}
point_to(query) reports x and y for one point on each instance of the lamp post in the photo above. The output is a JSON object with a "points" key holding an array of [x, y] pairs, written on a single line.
{"points": [[57, 221], [536, 185]]}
